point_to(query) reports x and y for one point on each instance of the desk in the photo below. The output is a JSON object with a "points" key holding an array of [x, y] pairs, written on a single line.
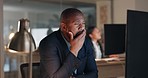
{"points": [[111, 69], [13, 61]]}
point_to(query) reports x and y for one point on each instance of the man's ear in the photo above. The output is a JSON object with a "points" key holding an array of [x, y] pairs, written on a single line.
{"points": [[63, 26]]}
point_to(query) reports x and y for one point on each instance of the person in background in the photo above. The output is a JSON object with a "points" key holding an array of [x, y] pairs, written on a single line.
{"points": [[95, 35], [66, 53]]}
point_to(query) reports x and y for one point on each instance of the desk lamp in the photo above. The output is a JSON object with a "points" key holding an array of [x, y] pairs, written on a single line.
{"points": [[23, 42]]}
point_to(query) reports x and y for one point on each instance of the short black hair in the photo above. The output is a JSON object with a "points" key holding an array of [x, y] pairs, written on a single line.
{"points": [[67, 13], [90, 30]]}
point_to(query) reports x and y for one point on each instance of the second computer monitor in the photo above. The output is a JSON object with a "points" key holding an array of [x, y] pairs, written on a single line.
{"points": [[114, 36]]}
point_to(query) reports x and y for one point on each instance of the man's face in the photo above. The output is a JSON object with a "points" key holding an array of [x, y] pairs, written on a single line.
{"points": [[75, 24]]}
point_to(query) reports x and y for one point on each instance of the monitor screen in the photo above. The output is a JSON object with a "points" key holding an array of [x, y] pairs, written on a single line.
{"points": [[114, 35], [137, 44]]}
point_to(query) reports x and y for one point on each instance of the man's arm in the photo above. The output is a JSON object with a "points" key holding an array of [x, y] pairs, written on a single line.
{"points": [[91, 70], [51, 65]]}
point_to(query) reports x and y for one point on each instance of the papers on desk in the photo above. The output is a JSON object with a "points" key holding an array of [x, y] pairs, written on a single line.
{"points": [[110, 59], [107, 59], [100, 61]]}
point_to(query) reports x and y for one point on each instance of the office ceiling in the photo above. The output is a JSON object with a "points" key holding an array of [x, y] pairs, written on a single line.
{"points": [[71, 2], [77, 3]]}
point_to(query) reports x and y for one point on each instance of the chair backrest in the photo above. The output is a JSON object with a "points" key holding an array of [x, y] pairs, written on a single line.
{"points": [[24, 68]]}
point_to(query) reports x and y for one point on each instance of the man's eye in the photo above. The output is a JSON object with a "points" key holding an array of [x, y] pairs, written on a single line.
{"points": [[76, 23], [83, 22]]}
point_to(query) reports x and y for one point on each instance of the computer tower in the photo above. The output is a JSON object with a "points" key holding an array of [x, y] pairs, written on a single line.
{"points": [[137, 44]]}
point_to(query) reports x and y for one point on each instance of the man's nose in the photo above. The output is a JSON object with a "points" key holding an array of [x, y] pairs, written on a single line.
{"points": [[81, 26]]}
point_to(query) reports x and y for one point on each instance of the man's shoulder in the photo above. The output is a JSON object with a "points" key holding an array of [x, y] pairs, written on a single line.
{"points": [[50, 38], [87, 41], [88, 44]]}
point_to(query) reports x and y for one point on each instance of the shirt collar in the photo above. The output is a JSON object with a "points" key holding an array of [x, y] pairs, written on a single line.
{"points": [[68, 44]]}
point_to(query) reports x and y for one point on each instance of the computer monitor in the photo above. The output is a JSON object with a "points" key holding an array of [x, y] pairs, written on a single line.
{"points": [[137, 44], [114, 38]]}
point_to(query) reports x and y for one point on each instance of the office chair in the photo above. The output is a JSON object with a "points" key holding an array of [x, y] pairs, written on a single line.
{"points": [[24, 68]]}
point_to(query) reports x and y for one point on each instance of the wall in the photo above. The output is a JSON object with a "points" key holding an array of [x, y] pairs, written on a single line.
{"points": [[120, 9], [141, 5], [41, 15], [103, 12], [121, 6], [1, 39]]}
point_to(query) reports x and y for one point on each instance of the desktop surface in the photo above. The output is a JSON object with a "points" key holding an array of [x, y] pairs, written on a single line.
{"points": [[111, 67]]}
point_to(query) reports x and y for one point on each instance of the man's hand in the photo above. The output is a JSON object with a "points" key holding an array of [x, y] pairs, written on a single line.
{"points": [[77, 43]]}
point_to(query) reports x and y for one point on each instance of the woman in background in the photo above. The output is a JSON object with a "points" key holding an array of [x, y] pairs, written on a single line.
{"points": [[95, 35]]}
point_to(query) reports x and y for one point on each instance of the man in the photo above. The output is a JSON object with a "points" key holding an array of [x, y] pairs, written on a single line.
{"points": [[66, 53]]}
